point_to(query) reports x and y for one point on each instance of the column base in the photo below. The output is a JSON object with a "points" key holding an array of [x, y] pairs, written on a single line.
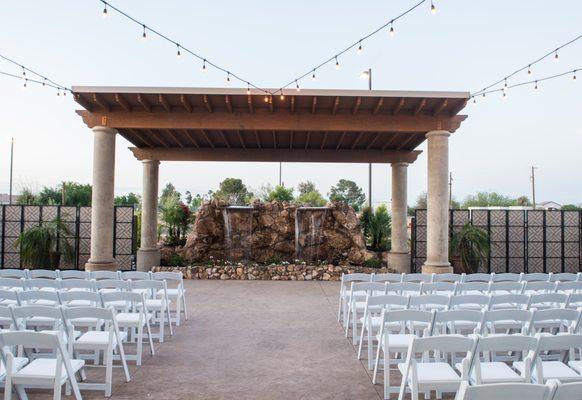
{"points": [[101, 266], [399, 262], [147, 258], [437, 268]]}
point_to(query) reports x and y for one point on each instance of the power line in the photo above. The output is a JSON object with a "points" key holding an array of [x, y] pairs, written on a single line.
{"points": [[504, 90], [528, 66], [358, 43], [43, 79], [26, 80], [180, 48]]}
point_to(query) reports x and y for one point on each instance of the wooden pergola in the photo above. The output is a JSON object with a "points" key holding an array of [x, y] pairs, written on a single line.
{"points": [[211, 124]]}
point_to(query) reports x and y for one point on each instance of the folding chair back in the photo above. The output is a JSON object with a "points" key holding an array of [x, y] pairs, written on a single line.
{"points": [[470, 302], [506, 287], [563, 342], [574, 300], [75, 298], [8, 297], [43, 273], [78, 285], [479, 277], [506, 343], [473, 287], [115, 284], [567, 391], [509, 301], [13, 273], [569, 286], [417, 277], [443, 343], [445, 288], [154, 287], [135, 275], [429, 302], [406, 316], [454, 321], [548, 300], [43, 284], [565, 277], [537, 277], [105, 314], [39, 297], [74, 274], [507, 277], [404, 288], [504, 390], [364, 288], [448, 278], [387, 277], [389, 301], [6, 317], [51, 316], [12, 283], [506, 319], [109, 275], [539, 287], [560, 319]]}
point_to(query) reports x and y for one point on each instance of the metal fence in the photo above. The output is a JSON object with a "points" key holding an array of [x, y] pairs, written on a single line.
{"points": [[15, 219], [519, 240]]}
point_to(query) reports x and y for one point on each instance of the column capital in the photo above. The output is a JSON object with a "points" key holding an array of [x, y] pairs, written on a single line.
{"points": [[400, 164], [104, 129], [153, 162], [438, 133]]}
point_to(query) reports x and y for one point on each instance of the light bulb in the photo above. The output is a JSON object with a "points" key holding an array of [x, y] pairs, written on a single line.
{"points": [[529, 69], [23, 70], [104, 10], [313, 76], [474, 101], [144, 36], [266, 99], [574, 76], [58, 92], [204, 65], [297, 86], [282, 96], [392, 32], [44, 81], [24, 85], [228, 78], [504, 95], [178, 53], [536, 86], [505, 83], [248, 88], [360, 48], [556, 57], [337, 65], [432, 8]]}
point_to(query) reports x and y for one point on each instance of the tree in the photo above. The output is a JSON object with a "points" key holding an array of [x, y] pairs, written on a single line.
{"points": [[193, 202], [523, 201], [570, 207], [130, 199], [49, 196], [377, 227], [27, 197], [348, 192], [493, 199], [76, 194], [312, 199], [280, 193], [306, 187], [233, 191]]}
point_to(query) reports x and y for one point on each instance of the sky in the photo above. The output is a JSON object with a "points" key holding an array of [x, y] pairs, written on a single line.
{"points": [[463, 47]]}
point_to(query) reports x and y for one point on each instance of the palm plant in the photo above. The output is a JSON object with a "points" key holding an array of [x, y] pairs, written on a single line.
{"points": [[377, 227], [470, 246], [44, 246]]}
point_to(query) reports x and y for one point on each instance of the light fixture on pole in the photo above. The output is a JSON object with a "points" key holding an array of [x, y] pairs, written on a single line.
{"points": [[367, 74]]}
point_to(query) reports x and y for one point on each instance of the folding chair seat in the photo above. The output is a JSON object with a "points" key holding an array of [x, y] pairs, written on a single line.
{"points": [[8, 297], [387, 277], [108, 275], [133, 321], [478, 277], [504, 391], [176, 291], [555, 320], [537, 277], [49, 373], [107, 341], [507, 277], [13, 273], [43, 274], [345, 292], [539, 287], [14, 284], [483, 371], [74, 274], [542, 370], [542, 301], [452, 278], [442, 288], [372, 319], [423, 375], [45, 284], [157, 301], [418, 277]]}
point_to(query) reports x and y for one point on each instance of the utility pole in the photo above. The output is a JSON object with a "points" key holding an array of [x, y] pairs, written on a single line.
{"points": [[64, 193], [368, 74], [450, 190], [280, 173], [533, 186], [11, 167]]}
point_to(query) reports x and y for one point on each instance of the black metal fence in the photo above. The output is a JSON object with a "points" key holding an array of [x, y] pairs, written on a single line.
{"points": [[519, 240], [14, 219]]}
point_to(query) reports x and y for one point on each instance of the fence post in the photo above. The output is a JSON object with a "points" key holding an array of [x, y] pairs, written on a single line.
{"points": [[3, 236]]}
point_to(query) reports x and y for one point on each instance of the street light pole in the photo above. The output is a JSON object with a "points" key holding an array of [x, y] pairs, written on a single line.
{"points": [[11, 167], [280, 173], [368, 73], [533, 186]]}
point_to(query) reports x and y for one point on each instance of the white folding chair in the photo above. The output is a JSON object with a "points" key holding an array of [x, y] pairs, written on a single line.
{"points": [[504, 391], [157, 302], [444, 288], [429, 302], [176, 291], [565, 277], [133, 320], [78, 285], [567, 391], [537, 277], [536, 287], [470, 302], [404, 288], [478, 277], [395, 335], [505, 287], [8, 297], [555, 320], [39, 297], [448, 278], [107, 340], [543, 370], [423, 375], [418, 277], [457, 322], [135, 275], [542, 301], [6, 318], [476, 287], [483, 371], [16, 284], [109, 275], [43, 274], [372, 319], [13, 273], [111, 285], [47, 284], [505, 321], [507, 277], [387, 277], [569, 287], [74, 274], [345, 291], [358, 293], [49, 373], [509, 301]]}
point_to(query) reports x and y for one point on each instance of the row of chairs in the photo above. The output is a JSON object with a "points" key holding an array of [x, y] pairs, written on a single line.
{"points": [[431, 364], [553, 390], [16, 279]]}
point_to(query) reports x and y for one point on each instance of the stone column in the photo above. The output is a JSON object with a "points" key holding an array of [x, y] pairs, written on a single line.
{"points": [[437, 246], [102, 200], [148, 254], [399, 256]]}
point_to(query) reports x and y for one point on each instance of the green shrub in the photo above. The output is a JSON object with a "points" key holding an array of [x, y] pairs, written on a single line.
{"points": [[372, 263], [176, 261]]}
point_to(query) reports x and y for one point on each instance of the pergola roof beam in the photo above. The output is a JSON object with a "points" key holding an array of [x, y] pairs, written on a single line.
{"points": [[122, 101], [207, 138], [97, 98], [144, 103], [186, 103]]}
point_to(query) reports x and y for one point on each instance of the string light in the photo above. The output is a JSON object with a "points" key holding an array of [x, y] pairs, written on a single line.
{"points": [[266, 99], [433, 9], [204, 65], [529, 70], [536, 86], [24, 85], [144, 36], [297, 86], [360, 48], [574, 76], [228, 78], [178, 53], [392, 32], [248, 88], [104, 9], [337, 64], [32, 76], [313, 76], [282, 96], [23, 70], [556, 57]]}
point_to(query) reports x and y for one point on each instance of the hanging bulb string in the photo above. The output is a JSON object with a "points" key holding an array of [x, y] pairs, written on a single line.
{"points": [[41, 76], [357, 43], [534, 81], [32, 80], [528, 66], [181, 47]]}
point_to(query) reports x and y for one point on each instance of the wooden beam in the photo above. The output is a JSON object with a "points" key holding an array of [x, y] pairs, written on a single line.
{"points": [[280, 121], [258, 139], [313, 104], [399, 106], [164, 102], [158, 137], [279, 155], [291, 139], [241, 139], [191, 136], [207, 103], [369, 146], [442, 105], [144, 103], [357, 105], [122, 101], [174, 137], [292, 104], [186, 103], [223, 136], [250, 104], [378, 106], [274, 139], [133, 138], [340, 141], [143, 137], [405, 142], [458, 107], [207, 138], [357, 140], [323, 140], [100, 101], [419, 107], [84, 102], [308, 136], [390, 141], [336, 103], [228, 103]]}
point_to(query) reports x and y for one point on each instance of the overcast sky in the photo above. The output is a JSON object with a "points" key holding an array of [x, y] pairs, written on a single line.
{"points": [[465, 46]]}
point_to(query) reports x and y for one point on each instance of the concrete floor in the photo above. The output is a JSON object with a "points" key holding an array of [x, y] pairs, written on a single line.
{"points": [[252, 340]]}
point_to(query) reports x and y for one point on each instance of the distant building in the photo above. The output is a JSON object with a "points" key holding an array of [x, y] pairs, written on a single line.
{"points": [[544, 205], [549, 205], [5, 198]]}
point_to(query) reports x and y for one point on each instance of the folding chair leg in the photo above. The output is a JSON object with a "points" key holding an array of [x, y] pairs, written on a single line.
{"points": [[376, 363], [387, 375], [139, 346], [184, 310], [370, 347], [360, 343], [8, 379], [108, 370], [123, 360], [169, 318], [178, 309], [150, 339], [21, 393]]}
